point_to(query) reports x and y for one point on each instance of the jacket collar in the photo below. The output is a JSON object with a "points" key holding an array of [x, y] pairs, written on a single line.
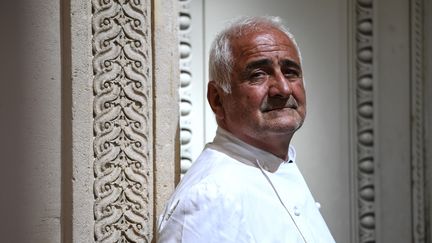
{"points": [[227, 143]]}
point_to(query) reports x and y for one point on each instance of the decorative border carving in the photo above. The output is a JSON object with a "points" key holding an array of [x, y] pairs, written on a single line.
{"points": [[364, 122], [122, 101], [417, 114], [185, 84]]}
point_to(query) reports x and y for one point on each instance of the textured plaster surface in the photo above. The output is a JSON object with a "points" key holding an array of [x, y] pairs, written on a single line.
{"points": [[79, 173], [166, 73]]}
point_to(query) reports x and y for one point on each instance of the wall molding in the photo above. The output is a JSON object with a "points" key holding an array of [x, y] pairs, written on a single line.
{"points": [[122, 87], [363, 139], [185, 48], [417, 122]]}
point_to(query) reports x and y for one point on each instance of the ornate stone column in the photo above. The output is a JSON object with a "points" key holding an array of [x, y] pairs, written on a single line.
{"points": [[124, 71]]}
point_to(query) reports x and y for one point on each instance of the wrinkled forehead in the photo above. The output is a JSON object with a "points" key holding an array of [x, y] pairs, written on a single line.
{"points": [[262, 39]]}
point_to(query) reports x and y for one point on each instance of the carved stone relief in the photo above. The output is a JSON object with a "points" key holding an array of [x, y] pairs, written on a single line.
{"points": [[364, 123], [122, 121], [417, 114], [185, 84]]}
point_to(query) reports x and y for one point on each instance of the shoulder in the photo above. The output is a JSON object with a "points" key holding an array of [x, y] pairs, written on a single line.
{"points": [[209, 196], [219, 186], [202, 212], [212, 171]]}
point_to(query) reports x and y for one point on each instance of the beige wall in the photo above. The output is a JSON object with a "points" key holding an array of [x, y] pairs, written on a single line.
{"points": [[32, 148]]}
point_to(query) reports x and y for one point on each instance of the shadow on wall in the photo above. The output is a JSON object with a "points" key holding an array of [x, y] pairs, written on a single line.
{"points": [[14, 147]]}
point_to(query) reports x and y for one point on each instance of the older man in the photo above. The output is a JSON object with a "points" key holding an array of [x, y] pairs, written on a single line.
{"points": [[245, 186]]}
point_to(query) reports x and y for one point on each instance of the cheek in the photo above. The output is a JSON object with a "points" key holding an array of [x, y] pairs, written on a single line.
{"points": [[248, 99], [256, 96], [253, 103], [299, 93]]}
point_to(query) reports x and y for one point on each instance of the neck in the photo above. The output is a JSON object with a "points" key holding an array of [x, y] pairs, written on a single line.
{"points": [[275, 144]]}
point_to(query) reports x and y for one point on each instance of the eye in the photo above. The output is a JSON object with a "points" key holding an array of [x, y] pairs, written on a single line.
{"points": [[292, 73], [258, 75]]}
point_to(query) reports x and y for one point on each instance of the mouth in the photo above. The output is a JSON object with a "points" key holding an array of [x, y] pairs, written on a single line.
{"points": [[280, 108]]}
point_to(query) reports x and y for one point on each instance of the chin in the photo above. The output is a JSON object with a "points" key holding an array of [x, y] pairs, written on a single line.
{"points": [[285, 128], [284, 123]]}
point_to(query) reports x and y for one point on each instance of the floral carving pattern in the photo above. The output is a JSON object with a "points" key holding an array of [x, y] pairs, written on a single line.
{"points": [[121, 85]]}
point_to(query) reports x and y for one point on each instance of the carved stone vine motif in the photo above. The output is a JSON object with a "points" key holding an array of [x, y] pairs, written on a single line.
{"points": [[121, 85]]}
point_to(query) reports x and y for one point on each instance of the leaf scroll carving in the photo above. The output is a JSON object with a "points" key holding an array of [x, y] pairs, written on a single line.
{"points": [[122, 86]]}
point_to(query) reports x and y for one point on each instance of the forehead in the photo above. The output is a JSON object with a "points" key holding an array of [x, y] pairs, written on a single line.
{"points": [[263, 42]]}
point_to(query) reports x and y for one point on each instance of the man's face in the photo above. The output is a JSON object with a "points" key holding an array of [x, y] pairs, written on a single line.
{"points": [[268, 96]]}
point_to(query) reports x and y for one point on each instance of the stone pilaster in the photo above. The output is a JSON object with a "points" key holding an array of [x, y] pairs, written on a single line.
{"points": [[124, 72]]}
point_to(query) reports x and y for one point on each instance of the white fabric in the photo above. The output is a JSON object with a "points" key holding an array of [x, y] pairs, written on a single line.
{"points": [[224, 197]]}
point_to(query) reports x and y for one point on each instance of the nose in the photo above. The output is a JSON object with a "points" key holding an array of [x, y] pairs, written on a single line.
{"points": [[280, 86]]}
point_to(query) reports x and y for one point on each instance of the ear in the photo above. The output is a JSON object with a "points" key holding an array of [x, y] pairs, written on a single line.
{"points": [[215, 99]]}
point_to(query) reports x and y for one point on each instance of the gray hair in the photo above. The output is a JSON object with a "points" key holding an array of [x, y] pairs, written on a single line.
{"points": [[221, 59]]}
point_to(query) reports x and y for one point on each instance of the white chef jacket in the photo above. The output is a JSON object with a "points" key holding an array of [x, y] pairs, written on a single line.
{"points": [[235, 192]]}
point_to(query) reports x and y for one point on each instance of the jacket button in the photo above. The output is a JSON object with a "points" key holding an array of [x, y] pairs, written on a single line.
{"points": [[296, 211]]}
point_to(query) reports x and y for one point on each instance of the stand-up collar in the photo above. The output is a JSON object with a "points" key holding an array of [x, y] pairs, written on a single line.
{"points": [[227, 143]]}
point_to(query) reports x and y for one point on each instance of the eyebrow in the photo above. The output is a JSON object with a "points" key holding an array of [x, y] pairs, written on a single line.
{"points": [[259, 63], [268, 62], [290, 63]]}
